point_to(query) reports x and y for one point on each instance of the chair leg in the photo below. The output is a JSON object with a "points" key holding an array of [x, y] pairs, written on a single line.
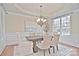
{"points": [[57, 47], [53, 49], [49, 50], [44, 52]]}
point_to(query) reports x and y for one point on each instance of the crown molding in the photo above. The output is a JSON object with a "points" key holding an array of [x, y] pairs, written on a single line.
{"points": [[3, 7], [51, 17], [63, 13], [31, 14], [21, 14]]}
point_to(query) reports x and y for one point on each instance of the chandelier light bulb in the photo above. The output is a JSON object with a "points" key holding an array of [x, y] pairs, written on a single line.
{"points": [[38, 20], [44, 20], [41, 19]]}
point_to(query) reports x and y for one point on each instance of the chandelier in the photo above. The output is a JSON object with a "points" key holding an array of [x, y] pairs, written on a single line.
{"points": [[41, 20]]}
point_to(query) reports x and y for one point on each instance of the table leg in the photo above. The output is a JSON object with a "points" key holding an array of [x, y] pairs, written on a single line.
{"points": [[35, 49]]}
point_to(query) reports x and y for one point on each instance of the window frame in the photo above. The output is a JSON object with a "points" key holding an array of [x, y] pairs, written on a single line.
{"points": [[61, 27]]}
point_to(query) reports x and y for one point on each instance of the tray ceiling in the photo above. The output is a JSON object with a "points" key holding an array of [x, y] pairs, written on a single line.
{"points": [[48, 9]]}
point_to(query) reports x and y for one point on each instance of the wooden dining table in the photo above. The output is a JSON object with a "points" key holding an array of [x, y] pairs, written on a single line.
{"points": [[34, 39]]}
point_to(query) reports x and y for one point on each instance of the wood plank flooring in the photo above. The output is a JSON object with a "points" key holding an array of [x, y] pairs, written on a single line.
{"points": [[8, 51]]}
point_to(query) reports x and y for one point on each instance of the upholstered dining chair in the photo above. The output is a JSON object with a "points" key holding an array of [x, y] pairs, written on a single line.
{"points": [[25, 46], [45, 44], [55, 41]]}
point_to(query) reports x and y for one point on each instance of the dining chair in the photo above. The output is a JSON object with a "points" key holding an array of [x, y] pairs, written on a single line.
{"points": [[45, 44], [25, 46], [55, 41]]}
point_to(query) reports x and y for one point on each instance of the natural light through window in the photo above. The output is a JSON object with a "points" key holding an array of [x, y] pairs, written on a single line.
{"points": [[62, 25]]}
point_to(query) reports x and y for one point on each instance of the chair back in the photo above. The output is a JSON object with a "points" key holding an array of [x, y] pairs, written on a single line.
{"points": [[46, 40], [55, 39]]}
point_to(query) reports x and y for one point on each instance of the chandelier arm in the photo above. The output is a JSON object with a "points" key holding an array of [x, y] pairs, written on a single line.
{"points": [[41, 20], [41, 11]]}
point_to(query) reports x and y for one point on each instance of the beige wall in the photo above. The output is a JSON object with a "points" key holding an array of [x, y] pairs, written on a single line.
{"points": [[14, 23], [75, 23]]}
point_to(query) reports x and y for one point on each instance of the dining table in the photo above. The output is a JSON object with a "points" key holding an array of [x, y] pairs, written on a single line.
{"points": [[34, 39]]}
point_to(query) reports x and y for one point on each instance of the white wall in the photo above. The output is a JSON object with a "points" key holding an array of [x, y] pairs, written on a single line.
{"points": [[2, 30]]}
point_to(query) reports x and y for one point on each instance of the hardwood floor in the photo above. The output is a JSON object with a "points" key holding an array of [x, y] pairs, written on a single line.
{"points": [[8, 51]]}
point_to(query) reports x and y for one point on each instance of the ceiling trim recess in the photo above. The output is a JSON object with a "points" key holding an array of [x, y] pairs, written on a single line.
{"points": [[27, 12], [63, 13], [52, 17], [20, 14], [24, 13]]}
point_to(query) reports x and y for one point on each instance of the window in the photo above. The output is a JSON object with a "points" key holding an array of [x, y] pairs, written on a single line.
{"points": [[56, 25], [62, 25], [65, 25], [32, 27]]}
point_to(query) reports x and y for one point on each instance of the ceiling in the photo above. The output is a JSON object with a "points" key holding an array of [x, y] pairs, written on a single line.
{"points": [[48, 9]]}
